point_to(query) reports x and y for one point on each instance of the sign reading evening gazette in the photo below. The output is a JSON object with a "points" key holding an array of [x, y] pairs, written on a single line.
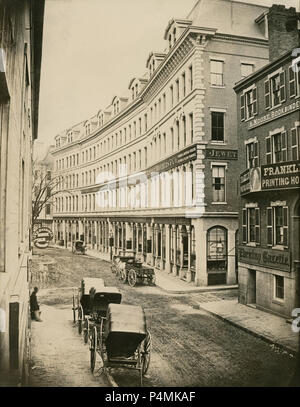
{"points": [[271, 258]]}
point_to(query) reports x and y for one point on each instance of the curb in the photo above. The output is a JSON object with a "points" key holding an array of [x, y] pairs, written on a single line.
{"points": [[256, 334], [197, 290]]}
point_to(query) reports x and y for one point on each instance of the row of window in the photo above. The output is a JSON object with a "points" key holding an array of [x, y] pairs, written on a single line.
{"points": [[277, 225], [280, 147], [275, 92], [217, 71]]}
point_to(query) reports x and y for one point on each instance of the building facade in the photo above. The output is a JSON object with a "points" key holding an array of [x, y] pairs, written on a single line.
{"points": [[21, 26], [157, 170], [269, 143]]}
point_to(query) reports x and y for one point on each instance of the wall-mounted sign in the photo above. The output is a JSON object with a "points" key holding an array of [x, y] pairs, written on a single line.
{"points": [[270, 258], [250, 180], [42, 237], [218, 154], [280, 176], [274, 114], [188, 154]]}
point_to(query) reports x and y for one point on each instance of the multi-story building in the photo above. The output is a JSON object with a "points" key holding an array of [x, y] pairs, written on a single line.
{"points": [[269, 143], [21, 27], [157, 171]]}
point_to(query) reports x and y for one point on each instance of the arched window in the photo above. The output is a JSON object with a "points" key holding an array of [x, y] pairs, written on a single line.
{"points": [[217, 255]]}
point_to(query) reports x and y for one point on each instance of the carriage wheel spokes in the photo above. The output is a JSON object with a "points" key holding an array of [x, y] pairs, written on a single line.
{"points": [[93, 348], [80, 317], [74, 309], [146, 352], [86, 330], [132, 278]]}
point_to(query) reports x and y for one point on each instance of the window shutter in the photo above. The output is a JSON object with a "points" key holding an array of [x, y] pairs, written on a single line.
{"points": [[267, 94], [242, 107], [285, 225], [282, 86], [294, 144], [269, 226], [284, 146], [256, 154], [244, 221], [254, 93], [268, 150], [292, 82], [257, 225]]}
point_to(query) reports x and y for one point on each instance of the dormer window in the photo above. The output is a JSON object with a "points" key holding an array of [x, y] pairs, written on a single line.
{"points": [[136, 90], [170, 41], [88, 129], [174, 36], [70, 137]]}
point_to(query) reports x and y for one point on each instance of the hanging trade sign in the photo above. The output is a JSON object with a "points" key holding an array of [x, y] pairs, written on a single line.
{"points": [[42, 237]]}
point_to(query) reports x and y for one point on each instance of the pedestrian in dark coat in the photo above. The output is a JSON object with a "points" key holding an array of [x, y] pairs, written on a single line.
{"points": [[34, 306]]}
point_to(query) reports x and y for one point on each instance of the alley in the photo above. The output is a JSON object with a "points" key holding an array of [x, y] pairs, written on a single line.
{"points": [[190, 346]]}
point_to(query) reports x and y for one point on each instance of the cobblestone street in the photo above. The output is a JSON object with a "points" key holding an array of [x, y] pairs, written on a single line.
{"points": [[190, 346]]}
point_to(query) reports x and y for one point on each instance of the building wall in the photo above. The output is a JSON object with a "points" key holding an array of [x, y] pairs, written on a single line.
{"points": [[277, 186], [179, 129], [16, 132]]}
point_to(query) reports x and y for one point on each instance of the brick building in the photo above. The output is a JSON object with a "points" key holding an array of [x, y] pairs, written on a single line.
{"points": [[21, 28], [269, 143], [156, 171]]}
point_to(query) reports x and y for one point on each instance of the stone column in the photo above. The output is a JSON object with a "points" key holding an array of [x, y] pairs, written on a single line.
{"points": [[181, 272], [149, 256], [64, 232], [167, 266], [189, 274], [231, 275], [174, 235], [201, 252]]}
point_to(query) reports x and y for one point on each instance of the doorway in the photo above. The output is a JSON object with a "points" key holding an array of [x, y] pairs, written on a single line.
{"points": [[252, 287]]}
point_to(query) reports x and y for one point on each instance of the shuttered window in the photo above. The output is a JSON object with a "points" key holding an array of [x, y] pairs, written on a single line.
{"points": [[268, 150], [242, 107], [282, 87], [269, 226], [252, 151], [292, 82], [257, 225], [244, 220], [295, 136], [267, 94]]}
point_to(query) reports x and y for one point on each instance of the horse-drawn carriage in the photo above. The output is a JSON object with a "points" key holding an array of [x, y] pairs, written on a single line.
{"points": [[128, 268], [78, 247], [120, 337], [82, 301]]}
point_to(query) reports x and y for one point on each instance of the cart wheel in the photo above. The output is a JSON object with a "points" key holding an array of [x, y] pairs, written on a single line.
{"points": [[132, 278], [79, 320], [93, 348], [146, 353], [86, 330], [101, 344], [74, 309], [123, 276]]}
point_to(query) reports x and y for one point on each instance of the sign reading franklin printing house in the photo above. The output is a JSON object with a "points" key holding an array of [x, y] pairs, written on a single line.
{"points": [[280, 176], [271, 258]]}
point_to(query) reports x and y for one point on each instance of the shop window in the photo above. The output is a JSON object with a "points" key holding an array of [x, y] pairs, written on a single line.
{"points": [[217, 249], [277, 226], [279, 288], [217, 126]]}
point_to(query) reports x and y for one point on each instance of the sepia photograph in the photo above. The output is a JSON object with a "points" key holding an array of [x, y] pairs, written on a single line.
{"points": [[149, 196]]}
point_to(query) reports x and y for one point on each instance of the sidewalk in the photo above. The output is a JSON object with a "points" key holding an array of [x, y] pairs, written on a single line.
{"points": [[271, 328]]}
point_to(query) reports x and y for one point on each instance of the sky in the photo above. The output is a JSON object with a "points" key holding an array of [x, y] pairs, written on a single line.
{"points": [[91, 51]]}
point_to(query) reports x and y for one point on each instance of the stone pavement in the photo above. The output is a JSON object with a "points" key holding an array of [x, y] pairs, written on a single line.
{"points": [[59, 357], [269, 327]]}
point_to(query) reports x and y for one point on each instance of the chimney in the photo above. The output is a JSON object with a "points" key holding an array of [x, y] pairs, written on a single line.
{"points": [[283, 30]]}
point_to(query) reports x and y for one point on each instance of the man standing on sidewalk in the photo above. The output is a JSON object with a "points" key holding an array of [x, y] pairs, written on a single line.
{"points": [[34, 306]]}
